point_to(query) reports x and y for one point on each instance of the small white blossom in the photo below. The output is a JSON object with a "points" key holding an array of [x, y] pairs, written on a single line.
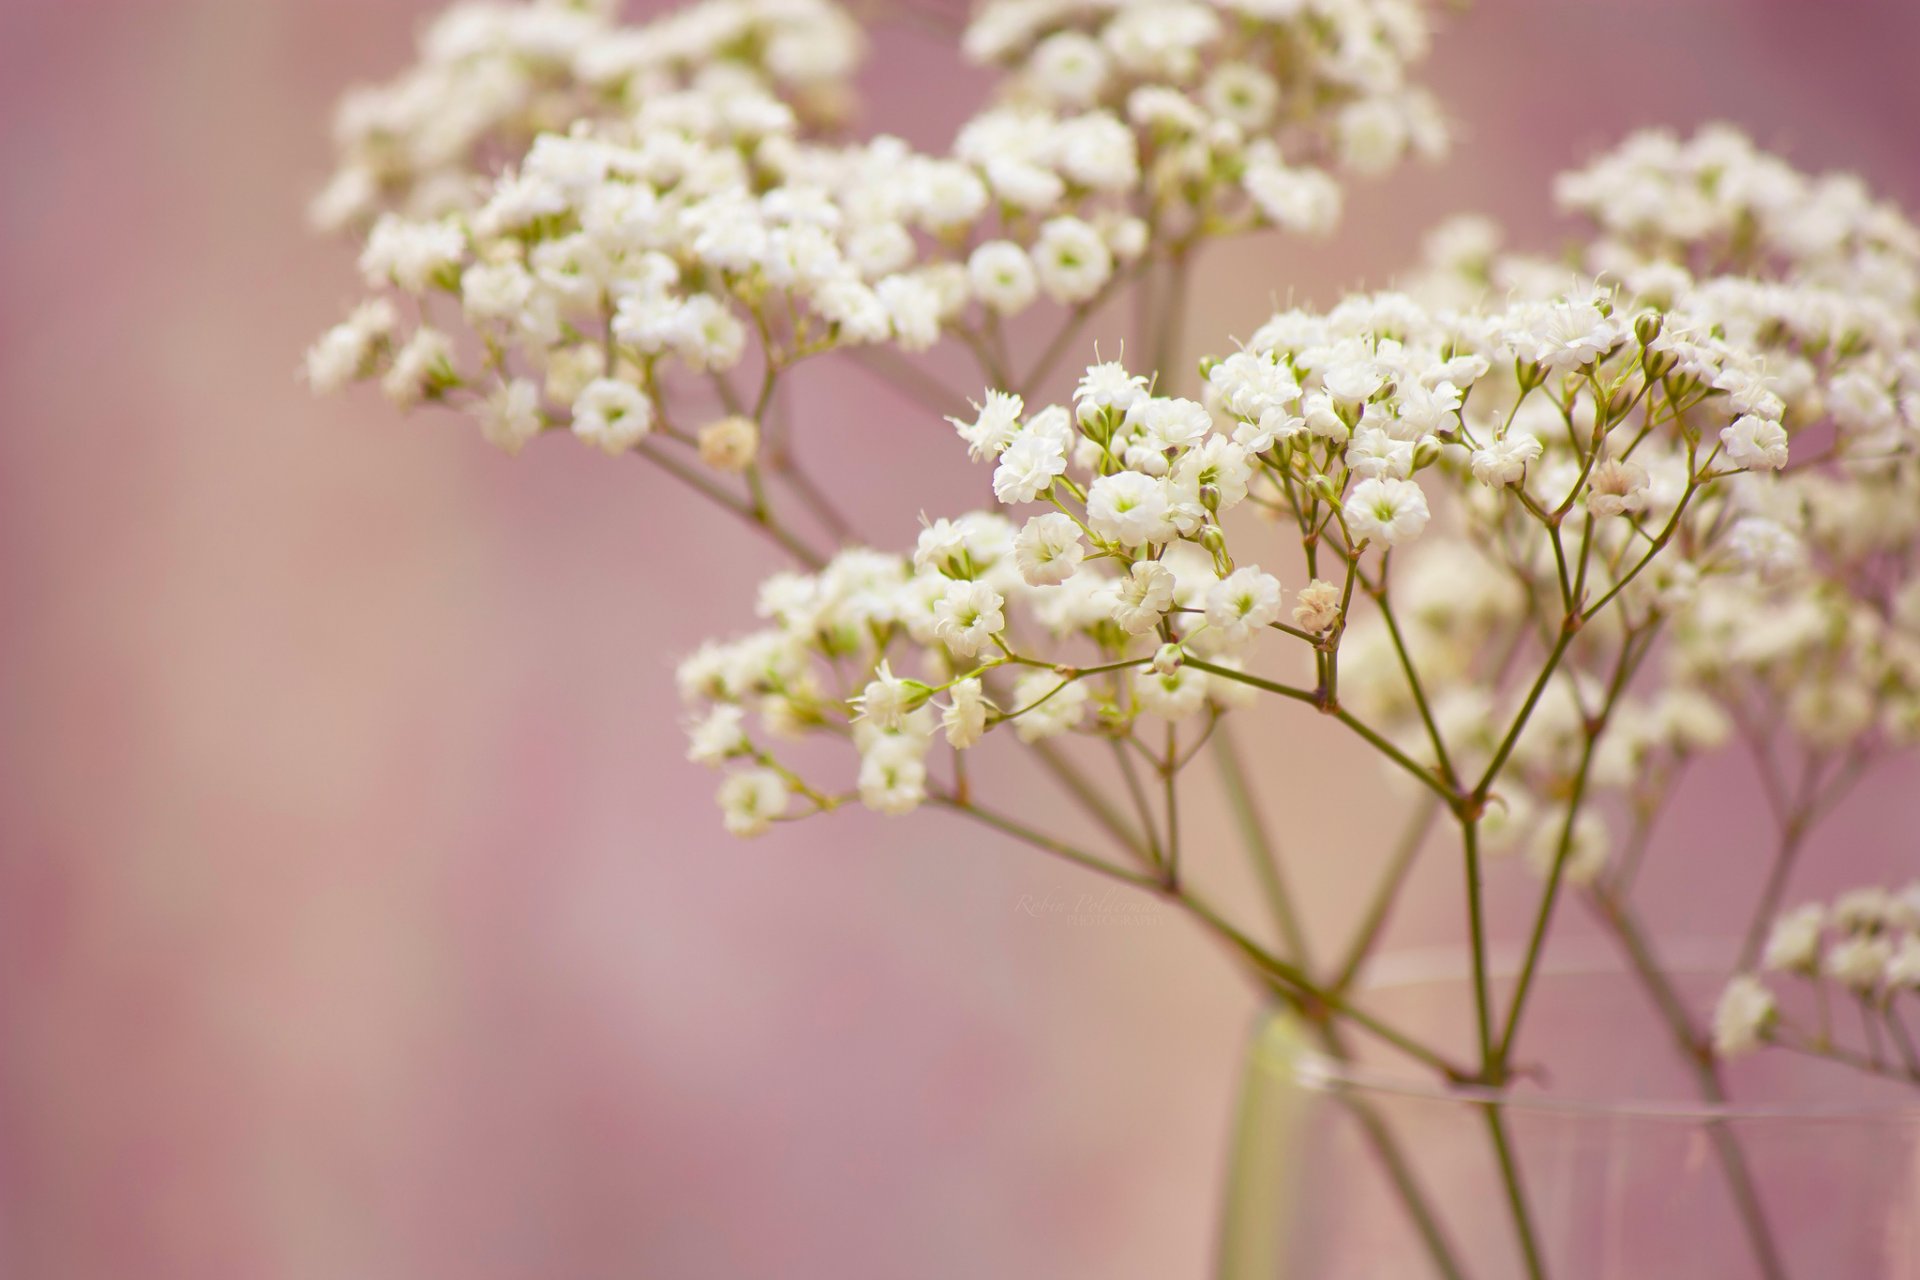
{"points": [[965, 716], [1048, 549], [1758, 444], [1743, 1017], [1793, 945], [1143, 597], [1242, 603], [751, 799], [968, 617], [612, 415], [1128, 508], [1387, 512]]}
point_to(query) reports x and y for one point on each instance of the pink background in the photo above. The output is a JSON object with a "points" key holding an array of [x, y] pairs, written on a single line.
{"points": [[358, 916]]}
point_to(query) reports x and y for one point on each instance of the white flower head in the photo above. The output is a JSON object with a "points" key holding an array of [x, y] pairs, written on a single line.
{"points": [[968, 616], [612, 415], [965, 716], [1128, 508], [1241, 603], [887, 700], [1793, 945], [1742, 1018], [1387, 512], [1758, 444], [751, 799], [1143, 597], [1048, 549]]}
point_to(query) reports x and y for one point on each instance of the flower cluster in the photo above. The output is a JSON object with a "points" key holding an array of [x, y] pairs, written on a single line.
{"points": [[1564, 438], [1816, 649], [593, 226], [1866, 943], [1243, 110]]}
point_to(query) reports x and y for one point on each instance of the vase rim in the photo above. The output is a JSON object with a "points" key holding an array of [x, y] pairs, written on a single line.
{"points": [[1698, 958]]}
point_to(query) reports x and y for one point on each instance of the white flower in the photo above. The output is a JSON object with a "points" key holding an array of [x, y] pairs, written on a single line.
{"points": [[914, 310], [1242, 93], [1742, 1018], [412, 255], [511, 415], [1002, 276], [893, 774], [1107, 386], [965, 715], [1858, 962], [1505, 461], [718, 736], [1069, 67], [1241, 603], [419, 368], [346, 351], [1219, 462], [751, 799], [1128, 508], [942, 548], [996, 427], [1072, 261], [1048, 549], [1793, 944], [729, 443], [1143, 597], [1171, 423], [1373, 134], [1388, 512], [1352, 381], [1563, 336], [1302, 200], [1616, 487], [887, 699], [1316, 607], [1028, 467], [968, 617], [495, 291], [1172, 695], [1755, 443], [1035, 719], [1765, 546], [612, 415], [1375, 454]]}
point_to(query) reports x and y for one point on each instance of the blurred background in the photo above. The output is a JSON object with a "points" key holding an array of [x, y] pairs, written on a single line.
{"points": [[358, 915]]}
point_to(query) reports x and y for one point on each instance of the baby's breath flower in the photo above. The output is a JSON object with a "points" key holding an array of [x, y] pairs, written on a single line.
{"points": [[1386, 512], [730, 443], [751, 799], [1743, 1017]]}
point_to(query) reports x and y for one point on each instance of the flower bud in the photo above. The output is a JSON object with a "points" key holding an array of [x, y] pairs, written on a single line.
{"points": [[1215, 543], [1657, 363], [1323, 487], [1647, 327], [1167, 659], [1426, 453], [1210, 498], [730, 444]]}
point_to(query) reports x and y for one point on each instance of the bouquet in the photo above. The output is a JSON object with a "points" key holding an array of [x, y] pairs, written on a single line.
{"points": [[1539, 530]]}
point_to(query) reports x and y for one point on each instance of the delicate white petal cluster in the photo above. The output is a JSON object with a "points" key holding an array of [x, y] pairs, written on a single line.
{"points": [[1865, 942], [575, 201]]}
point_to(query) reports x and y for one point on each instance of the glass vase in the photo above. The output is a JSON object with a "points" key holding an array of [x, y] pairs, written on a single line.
{"points": [[1615, 1154]]}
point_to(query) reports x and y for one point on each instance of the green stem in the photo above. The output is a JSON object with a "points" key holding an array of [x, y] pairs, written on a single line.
{"points": [[1515, 1193]]}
